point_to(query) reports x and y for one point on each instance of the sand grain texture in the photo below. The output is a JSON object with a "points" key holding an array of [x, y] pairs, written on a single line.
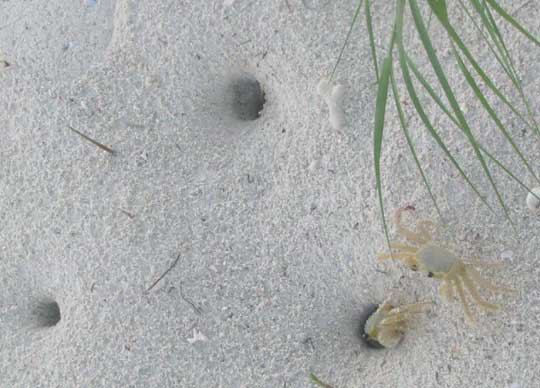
{"points": [[275, 219]]}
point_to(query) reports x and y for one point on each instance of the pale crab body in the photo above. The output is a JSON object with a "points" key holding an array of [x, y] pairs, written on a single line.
{"points": [[435, 260], [386, 325], [376, 335], [421, 253]]}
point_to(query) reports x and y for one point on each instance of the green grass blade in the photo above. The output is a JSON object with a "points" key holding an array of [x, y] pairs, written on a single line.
{"points": [[405, 129], [494, 33], [428, 88], [499, 41], [507, 171], [401, 115], [431, 129], [439, 102], [369, 23], [380, 112], [515, 80], [429, 19], [356, 13], [505, 15], [427, 122], [439, 8], [315, 380], [498, 55], [443, 18], [491, 25], [474, 86]]}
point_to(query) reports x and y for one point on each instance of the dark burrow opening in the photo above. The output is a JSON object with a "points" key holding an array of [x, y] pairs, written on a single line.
{"points": [[248, 98], [47, 313]]}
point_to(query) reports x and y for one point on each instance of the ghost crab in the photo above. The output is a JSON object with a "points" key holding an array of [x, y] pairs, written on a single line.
{"points": [[422, 254], [386, 324]]}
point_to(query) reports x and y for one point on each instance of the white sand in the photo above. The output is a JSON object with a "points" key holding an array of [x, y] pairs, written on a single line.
{"points": [[275, 220], [333, 95]]}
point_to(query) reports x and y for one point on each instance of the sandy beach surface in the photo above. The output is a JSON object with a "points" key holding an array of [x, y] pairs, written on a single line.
{"points": [[268, 221]]}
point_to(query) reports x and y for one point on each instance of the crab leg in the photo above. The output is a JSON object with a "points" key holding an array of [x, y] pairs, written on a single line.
{"points": [[446, 290], [424, 226], [479, 263], [403, 247], [487, 285], [410, 260], [410, 308], [404, 313], [461, 295], [407, 233], [446, 287], [426, 223], [394, 322], [400, 317], [394, 256], [412, 236], [474, 292]]}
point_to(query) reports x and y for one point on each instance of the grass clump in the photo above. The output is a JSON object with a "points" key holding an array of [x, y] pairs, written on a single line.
{"points": [[485, 16]]}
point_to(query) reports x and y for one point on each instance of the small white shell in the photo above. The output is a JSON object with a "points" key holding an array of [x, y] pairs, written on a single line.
{"points": [[533, 203]]}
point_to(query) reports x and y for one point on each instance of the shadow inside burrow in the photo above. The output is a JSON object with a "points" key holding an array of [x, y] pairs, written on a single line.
{"points": [[46, 314]]}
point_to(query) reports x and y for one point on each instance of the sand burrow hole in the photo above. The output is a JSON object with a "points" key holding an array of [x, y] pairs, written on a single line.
{"points": [[47, 313], [246, 97]]}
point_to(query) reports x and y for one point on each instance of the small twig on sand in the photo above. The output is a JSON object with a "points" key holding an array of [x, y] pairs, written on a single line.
{"points": [[127, 214], [103, 147], [164, 273], [195, 307]]}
